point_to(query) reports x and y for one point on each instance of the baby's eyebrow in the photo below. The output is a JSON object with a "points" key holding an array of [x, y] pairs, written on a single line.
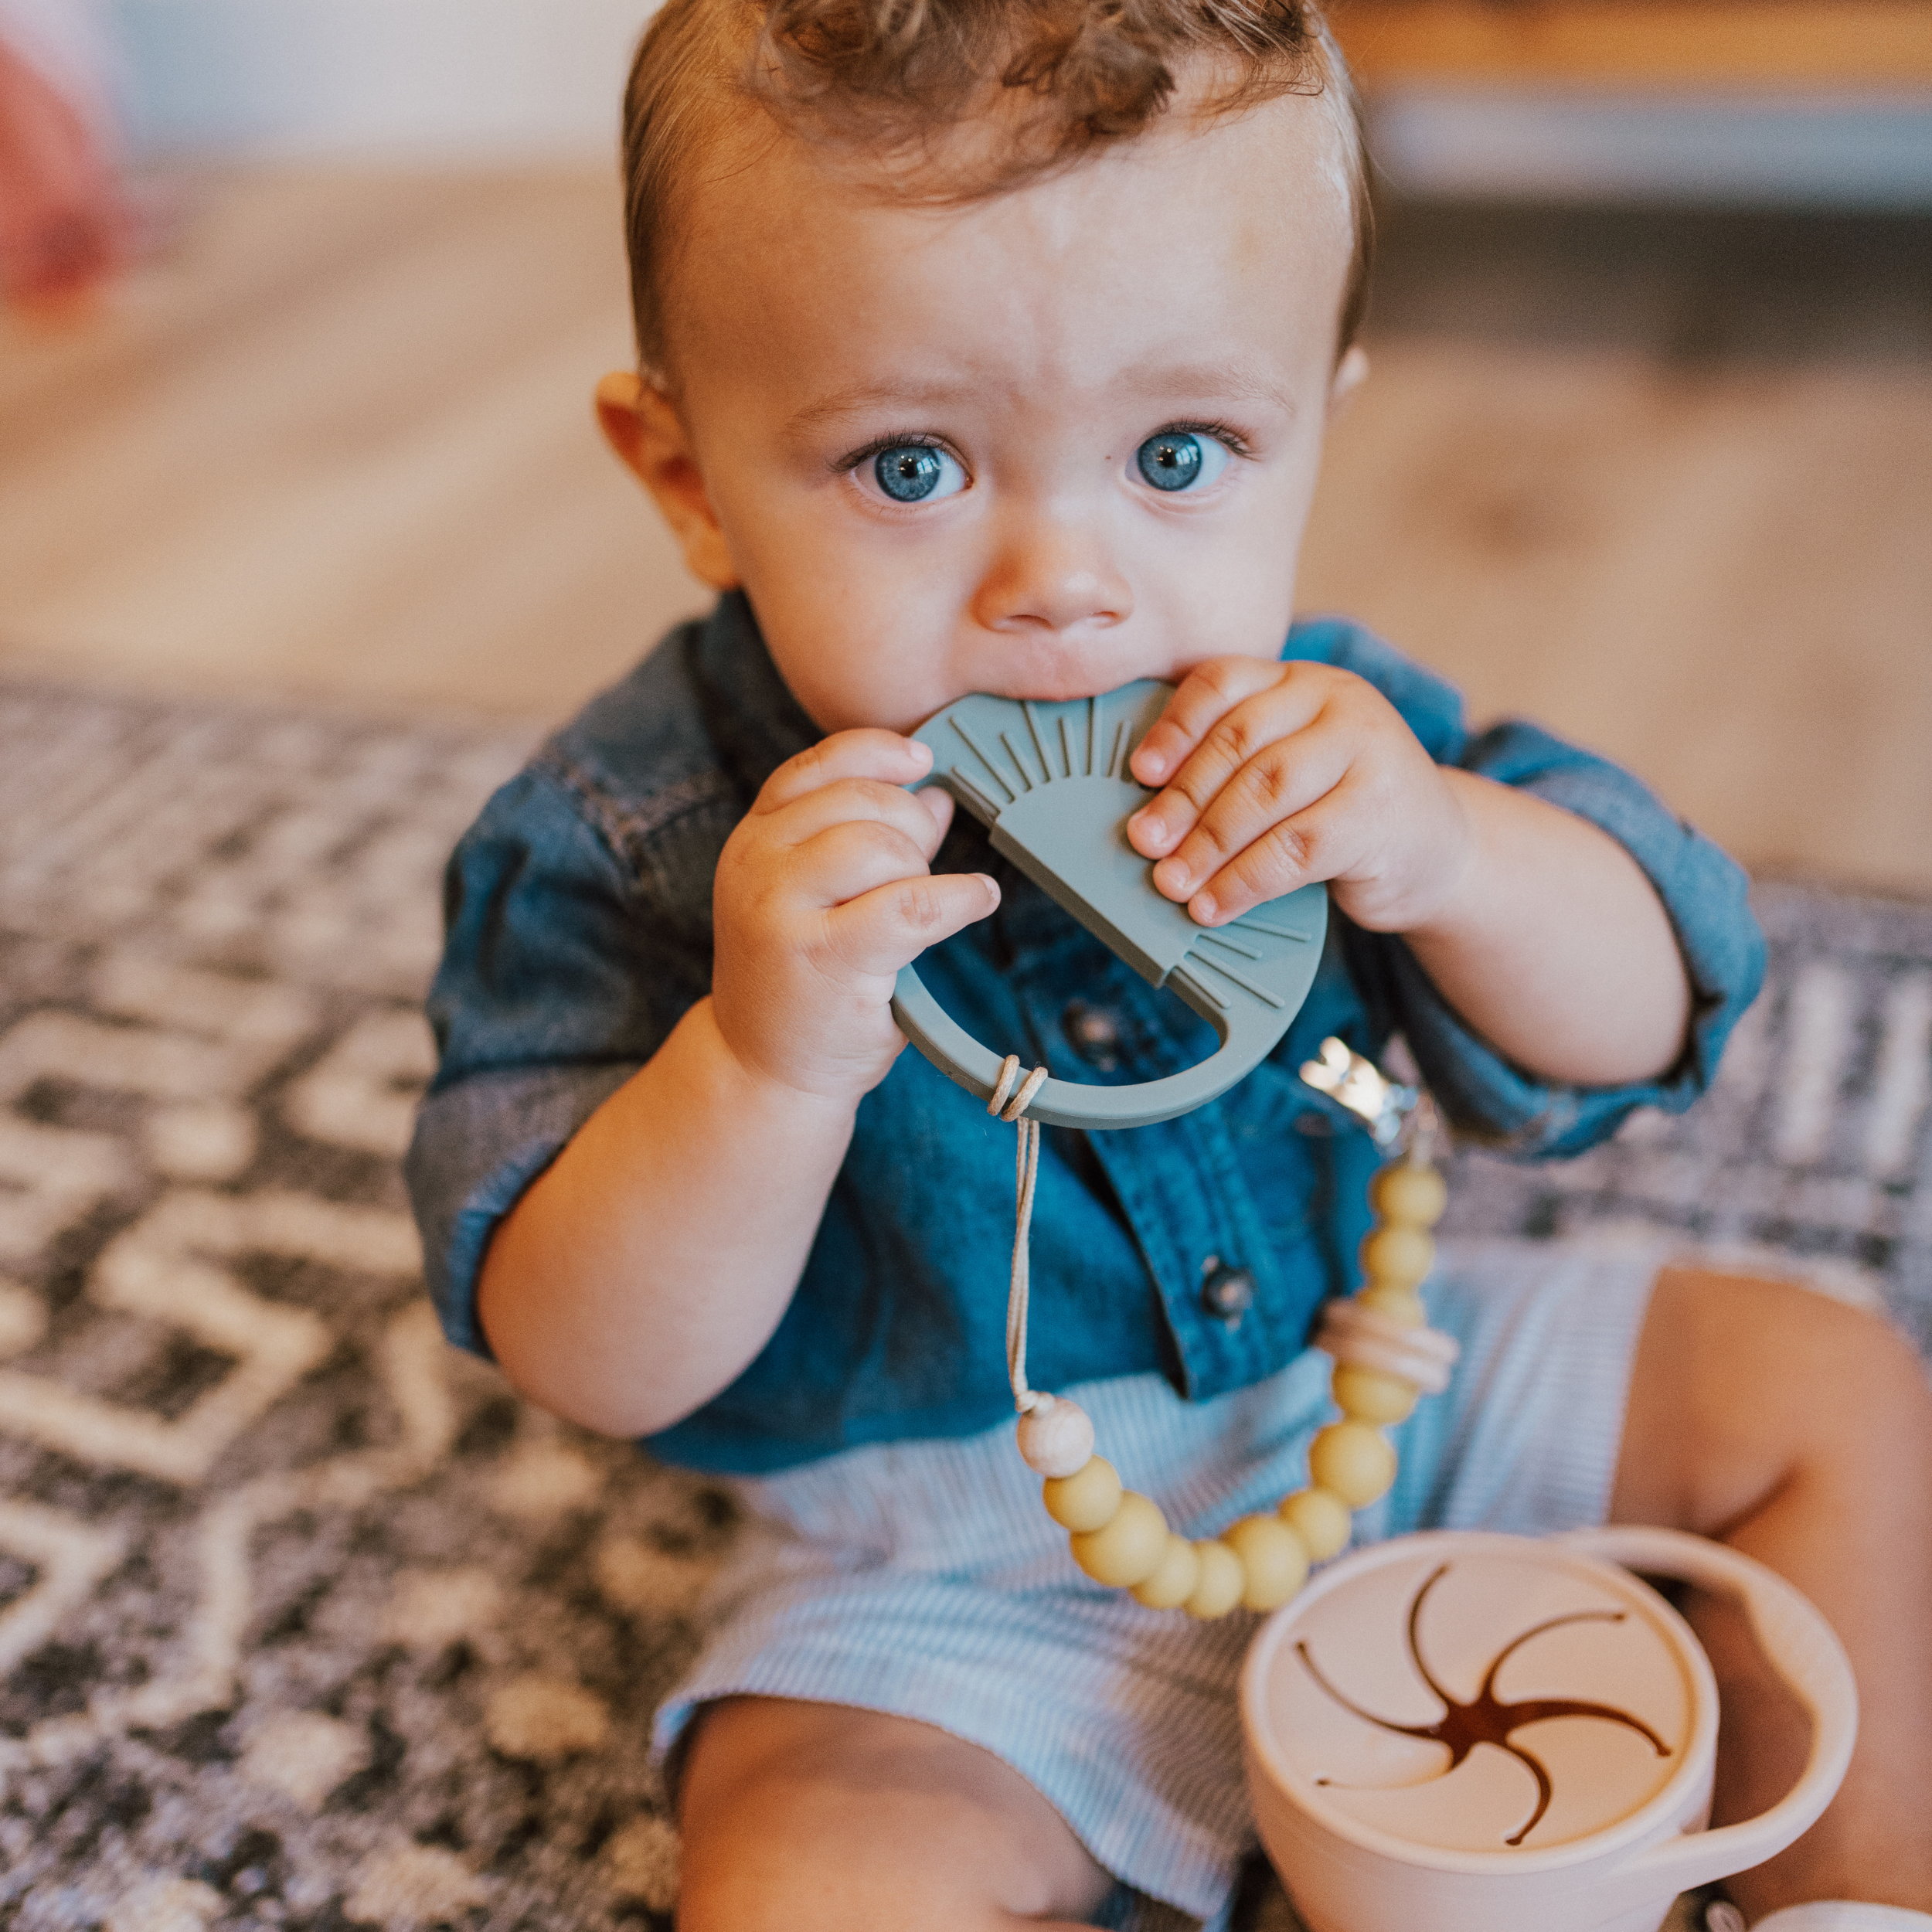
{"points": [[1224, 382], [1209, 382], [864, 398]]}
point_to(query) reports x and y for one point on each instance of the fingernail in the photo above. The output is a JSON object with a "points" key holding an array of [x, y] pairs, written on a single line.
{"points": [[1204, 907], [1152, 828], [922, 752], [992, 885], [1172, 876], [1150, 765]]}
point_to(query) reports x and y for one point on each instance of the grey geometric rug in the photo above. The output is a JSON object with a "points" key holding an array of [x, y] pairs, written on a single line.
{"points": [[304, 1622]]}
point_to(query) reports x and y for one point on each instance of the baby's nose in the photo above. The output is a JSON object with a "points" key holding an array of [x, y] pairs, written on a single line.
{"points": [[1052, 576]]}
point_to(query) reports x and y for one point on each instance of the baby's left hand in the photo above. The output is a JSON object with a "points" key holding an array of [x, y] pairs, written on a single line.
{"points": [[1279, 775]]}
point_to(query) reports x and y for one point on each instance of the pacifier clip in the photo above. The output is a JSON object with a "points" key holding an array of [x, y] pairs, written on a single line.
{"points": [[1386, 1357]]}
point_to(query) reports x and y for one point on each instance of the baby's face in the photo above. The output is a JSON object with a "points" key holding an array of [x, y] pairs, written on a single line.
{"points": [[1038, 445]]}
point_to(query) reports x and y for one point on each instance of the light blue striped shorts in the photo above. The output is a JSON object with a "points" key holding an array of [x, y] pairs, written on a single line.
{"points": [[924, 1578]]}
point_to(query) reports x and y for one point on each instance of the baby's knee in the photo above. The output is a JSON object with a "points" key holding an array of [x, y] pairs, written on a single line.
{"points": [[745, 1813], [1744, 1386], [805, 1817]]}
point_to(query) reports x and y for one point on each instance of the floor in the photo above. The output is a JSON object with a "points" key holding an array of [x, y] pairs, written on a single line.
{"points": [[1661, 482], [1665, 483]]}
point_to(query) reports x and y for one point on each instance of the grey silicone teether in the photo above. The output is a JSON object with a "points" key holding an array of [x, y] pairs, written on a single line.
{"points": [[1050, 782]]}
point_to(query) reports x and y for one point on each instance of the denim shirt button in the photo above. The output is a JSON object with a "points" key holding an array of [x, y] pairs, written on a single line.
{"points": [[1227, 1294], [1094, 1034]]}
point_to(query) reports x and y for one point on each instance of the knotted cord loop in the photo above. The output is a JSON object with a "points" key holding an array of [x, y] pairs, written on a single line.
{"points": [[1028, 1085], [1025, 1171]]}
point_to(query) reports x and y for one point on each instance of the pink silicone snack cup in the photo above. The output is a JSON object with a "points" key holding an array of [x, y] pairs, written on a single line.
{"points": [[1468, 1731]]}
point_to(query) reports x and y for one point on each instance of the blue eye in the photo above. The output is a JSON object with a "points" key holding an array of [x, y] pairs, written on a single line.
{"points": [[1179, 459], [917, 473]]}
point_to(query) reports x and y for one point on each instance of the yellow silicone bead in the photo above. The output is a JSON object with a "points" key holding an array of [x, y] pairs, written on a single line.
{"points": [[1398, 1258], [1130, 1548], [1275, 1558], [1353, 1459], [1402, 1305], [1409, 1197], [1173, 1584], [1085, 1500], [1370, 1395], [1222, 1581], [1320, 1519]]}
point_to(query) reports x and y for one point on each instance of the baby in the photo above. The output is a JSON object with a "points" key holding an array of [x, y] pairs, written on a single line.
{"points": [[989, 346]]}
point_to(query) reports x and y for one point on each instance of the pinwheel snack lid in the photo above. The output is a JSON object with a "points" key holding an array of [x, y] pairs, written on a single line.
{"points": [[1481, 1694]]}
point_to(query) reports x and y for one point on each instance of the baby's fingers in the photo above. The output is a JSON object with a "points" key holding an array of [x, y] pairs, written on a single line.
{"points": [[1205, 696], [1233, 730], [919, 818], [890, 927], [1329, 840], [1253, 812], [882, 756]]}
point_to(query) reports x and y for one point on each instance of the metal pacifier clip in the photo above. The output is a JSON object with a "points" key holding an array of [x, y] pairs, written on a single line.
{"points": [[1473, 1732], [1051, 782]]}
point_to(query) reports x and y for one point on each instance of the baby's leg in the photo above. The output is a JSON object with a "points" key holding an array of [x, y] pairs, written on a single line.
{"points": [[818, 1818], [1799, 1431]]}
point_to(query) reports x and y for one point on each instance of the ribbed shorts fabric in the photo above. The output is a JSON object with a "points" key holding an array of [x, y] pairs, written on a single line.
{"points": [[924, 1578]]}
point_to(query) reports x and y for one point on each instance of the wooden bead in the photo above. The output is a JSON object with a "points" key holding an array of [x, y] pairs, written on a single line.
{"points": [[1397, 1257], [1086, 1500], [1409, 1197], [1056, 1437], [1274, 1558], [1320, 1519], [1130, 1548], [1173, 1584], [1368, 1395], [1222, 1581], [1399, 1304], [1352, 1460]]}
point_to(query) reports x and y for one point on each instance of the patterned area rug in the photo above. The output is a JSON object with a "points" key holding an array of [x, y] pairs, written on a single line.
{"points": [[304, 1621]]}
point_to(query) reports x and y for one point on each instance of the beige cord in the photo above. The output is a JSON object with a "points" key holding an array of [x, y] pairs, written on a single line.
{"points": [[1025, 1171]]}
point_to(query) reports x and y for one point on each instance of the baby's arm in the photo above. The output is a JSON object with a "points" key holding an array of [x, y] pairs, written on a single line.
{"points": [[652, 1261], [1537, 926]]}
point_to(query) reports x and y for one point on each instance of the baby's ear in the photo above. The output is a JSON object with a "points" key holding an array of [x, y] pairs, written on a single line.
{"points": [[1350, 373], [641, 423]]}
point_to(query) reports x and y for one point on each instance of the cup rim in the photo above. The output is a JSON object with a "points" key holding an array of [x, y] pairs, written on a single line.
{"points": [[1265, 1758]]}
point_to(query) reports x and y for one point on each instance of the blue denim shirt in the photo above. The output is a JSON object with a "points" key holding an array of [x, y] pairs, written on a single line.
{"points": [[579, 919]]}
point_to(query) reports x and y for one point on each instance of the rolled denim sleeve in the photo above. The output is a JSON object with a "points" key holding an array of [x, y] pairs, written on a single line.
{"points": [[1706, 896], [556, 986]]}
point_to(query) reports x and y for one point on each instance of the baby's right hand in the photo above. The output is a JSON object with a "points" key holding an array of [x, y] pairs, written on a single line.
{"points": [[823, 891]]}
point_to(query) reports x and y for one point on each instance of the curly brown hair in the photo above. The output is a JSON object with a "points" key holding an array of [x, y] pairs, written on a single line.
{"points": [[891, 79]]}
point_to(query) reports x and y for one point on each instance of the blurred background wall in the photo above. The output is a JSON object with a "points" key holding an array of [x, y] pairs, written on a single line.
{"points": [[1742, 100], [444, 78]]}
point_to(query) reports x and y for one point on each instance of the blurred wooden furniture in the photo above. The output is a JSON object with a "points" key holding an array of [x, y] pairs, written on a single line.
{"points": [[1780, 44]]}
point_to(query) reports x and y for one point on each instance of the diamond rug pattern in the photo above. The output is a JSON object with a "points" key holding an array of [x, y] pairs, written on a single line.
{"points": [[304, 1622]]}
